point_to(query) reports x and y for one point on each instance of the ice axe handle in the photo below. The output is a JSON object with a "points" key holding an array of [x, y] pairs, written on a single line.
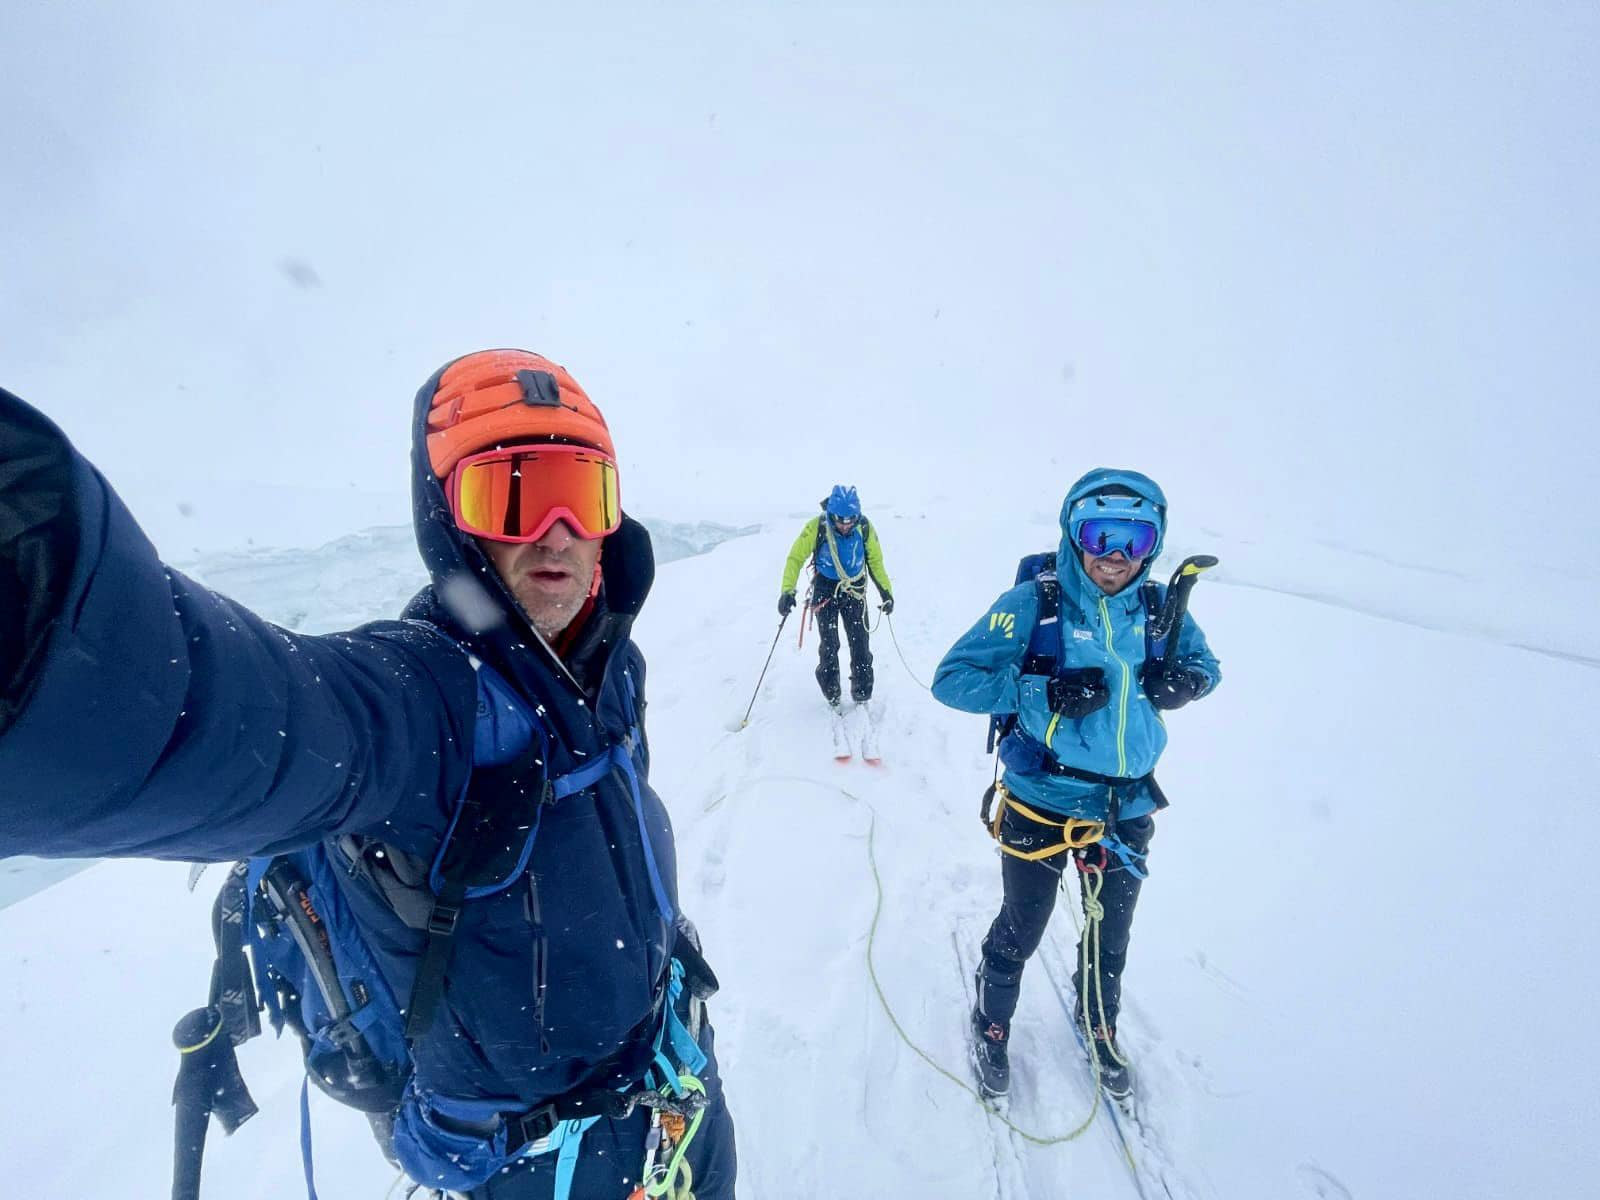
{"points": [[1170, 622]]}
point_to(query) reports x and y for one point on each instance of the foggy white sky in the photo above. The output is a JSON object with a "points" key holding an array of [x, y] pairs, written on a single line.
{"points": [[1323, 270]]}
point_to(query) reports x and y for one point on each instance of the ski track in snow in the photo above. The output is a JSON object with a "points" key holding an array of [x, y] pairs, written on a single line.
{"points": [[1247, 1018]]}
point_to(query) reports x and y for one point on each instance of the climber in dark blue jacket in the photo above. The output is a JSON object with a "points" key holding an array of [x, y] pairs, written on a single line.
{"points": [[144, 715]]}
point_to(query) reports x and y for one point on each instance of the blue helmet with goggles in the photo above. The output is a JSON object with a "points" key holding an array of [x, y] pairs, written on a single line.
{"points": [[1111, 511], [843, 505]]}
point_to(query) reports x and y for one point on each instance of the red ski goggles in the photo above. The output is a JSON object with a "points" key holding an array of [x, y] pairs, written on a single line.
{"points": [[1100, 536], [518, 493]]}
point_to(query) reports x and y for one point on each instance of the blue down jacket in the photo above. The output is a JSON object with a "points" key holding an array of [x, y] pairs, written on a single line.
{"points": [[142, 714]]}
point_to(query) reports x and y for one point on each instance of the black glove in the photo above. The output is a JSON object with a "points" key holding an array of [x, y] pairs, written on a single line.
{"points": [[785, 604], [1078, 692], [1172, 687], [888, 604]]}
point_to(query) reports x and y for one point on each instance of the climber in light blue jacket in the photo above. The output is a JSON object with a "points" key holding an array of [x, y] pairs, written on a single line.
{"points": [[1065, 665]]}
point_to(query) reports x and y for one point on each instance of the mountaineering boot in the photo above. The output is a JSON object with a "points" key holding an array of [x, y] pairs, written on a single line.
{"points": [[991, 1059], [1115, 1076]]}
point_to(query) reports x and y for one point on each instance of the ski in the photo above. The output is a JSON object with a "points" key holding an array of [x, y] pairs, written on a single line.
{"points": [[994, 1107], [843, 751], [868, 733], [1121, 1112]]}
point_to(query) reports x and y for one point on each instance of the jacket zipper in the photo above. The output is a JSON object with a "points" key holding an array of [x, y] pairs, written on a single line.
{"points": [[1122, 700], [540, 959]]}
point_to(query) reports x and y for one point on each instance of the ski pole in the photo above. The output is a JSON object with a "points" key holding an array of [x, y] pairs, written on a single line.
{"points": [[745, 720], [1170, 621]]}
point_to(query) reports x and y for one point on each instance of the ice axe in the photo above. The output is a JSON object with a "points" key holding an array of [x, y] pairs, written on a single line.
{"points": [[1168, 623]]}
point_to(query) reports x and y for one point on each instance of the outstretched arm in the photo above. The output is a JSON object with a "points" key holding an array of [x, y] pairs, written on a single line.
{"points": [[38, 543], [146, 715]]}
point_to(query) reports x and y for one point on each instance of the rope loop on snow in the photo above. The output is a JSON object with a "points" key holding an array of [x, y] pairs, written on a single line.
{"points": [[888, 1009]]}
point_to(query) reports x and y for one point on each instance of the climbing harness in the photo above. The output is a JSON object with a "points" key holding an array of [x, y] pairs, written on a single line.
{"points": [[1075, 833], [670, 1135]]}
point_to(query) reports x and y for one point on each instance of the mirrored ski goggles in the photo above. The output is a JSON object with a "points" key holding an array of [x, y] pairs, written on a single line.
{"points": [[517, 494], [1100, 536]]}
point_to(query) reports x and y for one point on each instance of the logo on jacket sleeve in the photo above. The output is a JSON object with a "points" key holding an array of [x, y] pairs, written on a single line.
{"points": [[1004, 621], [1083, 635]]}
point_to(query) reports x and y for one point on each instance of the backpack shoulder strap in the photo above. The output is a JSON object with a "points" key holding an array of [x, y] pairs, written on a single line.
{"points": [[486, 846], [1150, 595], [1044, 642]]}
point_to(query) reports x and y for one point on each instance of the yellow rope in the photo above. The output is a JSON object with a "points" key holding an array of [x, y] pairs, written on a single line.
{"points": [[1093, 881], [877, 986], [903, 661], [851, 585], [677, 1181], [883, 999]]}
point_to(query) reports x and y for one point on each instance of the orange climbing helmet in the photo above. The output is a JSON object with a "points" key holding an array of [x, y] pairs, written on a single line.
{"points": [[496, 396]]}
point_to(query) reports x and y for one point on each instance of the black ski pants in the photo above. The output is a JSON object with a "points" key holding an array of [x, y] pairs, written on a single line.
{"points": [[834, 605], [1030, 897]]}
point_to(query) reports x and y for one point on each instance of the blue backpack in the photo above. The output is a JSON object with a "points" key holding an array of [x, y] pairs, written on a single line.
{"points": [[310, 967]]}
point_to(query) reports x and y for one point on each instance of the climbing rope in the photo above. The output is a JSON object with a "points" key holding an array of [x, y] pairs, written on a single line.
{"points": [[1093, 881], [890, 618], [850, 585], [883, 999], [673, 1180]]}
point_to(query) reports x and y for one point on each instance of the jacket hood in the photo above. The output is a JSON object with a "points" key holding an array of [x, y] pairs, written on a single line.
{"points": [[469, 598], [1103, 480]]}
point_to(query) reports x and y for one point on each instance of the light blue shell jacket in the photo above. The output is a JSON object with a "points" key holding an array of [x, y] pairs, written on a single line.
{"points": [[982, 673]]}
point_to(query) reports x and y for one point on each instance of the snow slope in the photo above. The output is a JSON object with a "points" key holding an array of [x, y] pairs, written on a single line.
{"points": [[1360, 967]]}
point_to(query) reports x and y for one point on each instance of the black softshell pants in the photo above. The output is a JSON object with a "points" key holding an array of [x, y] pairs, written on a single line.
{"points": [[1030, 897], [834, 605]]}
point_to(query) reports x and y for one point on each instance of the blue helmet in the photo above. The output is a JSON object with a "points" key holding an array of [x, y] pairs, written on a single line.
{"points": [[843, 504], [1110, 492]]}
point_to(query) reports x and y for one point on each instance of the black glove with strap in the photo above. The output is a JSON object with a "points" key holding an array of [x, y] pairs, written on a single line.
{"points": [[1077, 692], [1172, 687], [785, 604], [888, 604]]}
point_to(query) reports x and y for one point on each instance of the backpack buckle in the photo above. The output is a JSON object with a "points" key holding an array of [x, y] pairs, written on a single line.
{"points": [[442, 919], [532, 1126]]}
